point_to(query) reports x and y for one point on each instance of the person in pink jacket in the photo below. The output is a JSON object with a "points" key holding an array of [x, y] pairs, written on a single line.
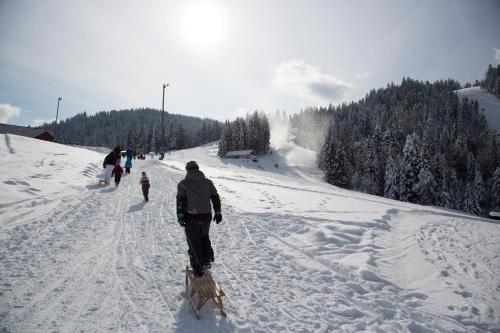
{"points": [[117, 171]]}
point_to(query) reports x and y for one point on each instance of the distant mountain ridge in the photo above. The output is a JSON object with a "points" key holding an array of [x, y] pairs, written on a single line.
{"points": [[137, 128]]}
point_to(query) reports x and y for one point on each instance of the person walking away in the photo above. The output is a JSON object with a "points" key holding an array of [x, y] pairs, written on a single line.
{"points": [[128, 165], [145, 186], [194, 213], [117, 171], [109, 164]]}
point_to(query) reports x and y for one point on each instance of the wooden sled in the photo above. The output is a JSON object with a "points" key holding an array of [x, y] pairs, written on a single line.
{"points": [[200, 290]]}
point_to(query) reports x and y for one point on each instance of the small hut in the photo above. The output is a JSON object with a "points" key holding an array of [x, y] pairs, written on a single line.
{"points": [[30, 132], [241, 154]]}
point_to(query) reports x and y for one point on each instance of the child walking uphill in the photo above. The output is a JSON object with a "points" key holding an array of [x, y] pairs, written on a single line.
{"points": [[117, 171], [128, 165], [145, 186]]}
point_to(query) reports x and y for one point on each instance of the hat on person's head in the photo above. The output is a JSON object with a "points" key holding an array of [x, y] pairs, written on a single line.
{"points": [[192, 165], [117, 149]]}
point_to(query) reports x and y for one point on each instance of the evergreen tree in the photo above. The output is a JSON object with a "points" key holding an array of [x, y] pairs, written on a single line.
{"points": [[391, 179], [495, 190], [470, 203], [456, 191], [253, 133], [425, 187], [141, 140], [334, 164], [224, 142], [170, 137], [130, 139], [264, 135], [410, 167]]}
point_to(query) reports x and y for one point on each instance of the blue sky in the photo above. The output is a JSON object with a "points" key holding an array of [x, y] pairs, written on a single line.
{"points": [[225, 58]]}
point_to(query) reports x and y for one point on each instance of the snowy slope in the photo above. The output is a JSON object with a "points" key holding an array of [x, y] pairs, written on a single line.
{"points": [[293, 254], [489, 102], [34, 168]]}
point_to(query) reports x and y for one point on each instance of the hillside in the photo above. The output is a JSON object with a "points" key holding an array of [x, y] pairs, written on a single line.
{"points": [[293, 254], [136, 128], [416, 142]]}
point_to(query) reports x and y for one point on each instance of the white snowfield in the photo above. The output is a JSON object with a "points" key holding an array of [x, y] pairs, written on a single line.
{"points": [[489, 104], [293, 254]]}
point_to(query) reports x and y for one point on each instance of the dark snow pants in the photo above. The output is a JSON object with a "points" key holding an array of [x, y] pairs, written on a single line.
{"points": [[118, 176], [198, 239], [145, 192]]}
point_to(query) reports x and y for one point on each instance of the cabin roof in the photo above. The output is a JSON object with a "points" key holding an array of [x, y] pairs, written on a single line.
{"points": [[22, 130], [240, 152]]}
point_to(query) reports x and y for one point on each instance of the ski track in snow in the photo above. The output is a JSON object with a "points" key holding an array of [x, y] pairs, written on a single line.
{"points": [[103, 260]]}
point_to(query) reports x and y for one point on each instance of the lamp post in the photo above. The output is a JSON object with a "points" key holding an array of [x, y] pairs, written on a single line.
{"points": [[162, 153], [57, 115]]}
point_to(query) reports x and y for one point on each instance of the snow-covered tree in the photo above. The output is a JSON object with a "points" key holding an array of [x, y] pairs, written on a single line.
{"points": [[391, 179], [410, 167], [226, 138], [495, 190], [250, 133], [425, 187]]}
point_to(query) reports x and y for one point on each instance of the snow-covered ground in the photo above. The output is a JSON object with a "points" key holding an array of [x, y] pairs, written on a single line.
{"points": [[293, 254], [489, 103]]}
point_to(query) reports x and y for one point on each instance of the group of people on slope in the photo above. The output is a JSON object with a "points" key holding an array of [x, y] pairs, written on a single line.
{"points": [[112, 168], [194, 213], [196, 196]]}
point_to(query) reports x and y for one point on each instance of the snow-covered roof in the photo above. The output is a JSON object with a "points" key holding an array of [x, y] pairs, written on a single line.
{"points": [[240, 153], [23, 131], [495, 213]]}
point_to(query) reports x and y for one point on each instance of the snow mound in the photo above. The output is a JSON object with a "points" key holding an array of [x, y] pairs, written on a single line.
{"points": [[488, 103]]}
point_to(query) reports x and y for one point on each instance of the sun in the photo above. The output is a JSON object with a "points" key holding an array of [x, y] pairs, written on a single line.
{"points": [[204, 25]]}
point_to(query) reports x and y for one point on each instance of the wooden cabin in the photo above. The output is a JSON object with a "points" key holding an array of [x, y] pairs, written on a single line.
{"points": [[241, 154], [30, 132]]}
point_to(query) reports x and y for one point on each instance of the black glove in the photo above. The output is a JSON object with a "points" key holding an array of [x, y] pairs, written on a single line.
{"points": [[218, 217], [181, 220]]}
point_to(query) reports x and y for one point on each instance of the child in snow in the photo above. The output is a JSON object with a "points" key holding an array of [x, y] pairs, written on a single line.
{"points": [[117, 171], [128, 165], [145, 185]]}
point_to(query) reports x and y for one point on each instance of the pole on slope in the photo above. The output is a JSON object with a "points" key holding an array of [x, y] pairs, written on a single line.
{"points": [[57, 116], [162, 144]]}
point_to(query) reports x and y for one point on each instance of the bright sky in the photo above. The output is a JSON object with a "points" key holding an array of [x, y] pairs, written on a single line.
{"points": [[224, 58]]}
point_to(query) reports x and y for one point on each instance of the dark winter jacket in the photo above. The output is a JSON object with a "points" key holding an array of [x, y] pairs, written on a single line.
{"points": [[194, 194], [110, 159], [144, 183], [128, 163]]}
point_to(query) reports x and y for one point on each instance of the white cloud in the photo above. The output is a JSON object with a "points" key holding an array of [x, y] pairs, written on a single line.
{"points": [[8, 111], [307, 82], [41, 121], [497, 54], [362, 75]]}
